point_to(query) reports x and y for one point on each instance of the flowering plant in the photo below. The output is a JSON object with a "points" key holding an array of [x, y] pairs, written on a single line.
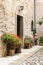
{"points": [[11, 38], [17, 39], [6, 38]]}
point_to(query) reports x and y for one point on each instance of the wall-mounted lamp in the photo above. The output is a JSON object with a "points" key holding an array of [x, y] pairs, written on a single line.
{"points": [[21, 8]]}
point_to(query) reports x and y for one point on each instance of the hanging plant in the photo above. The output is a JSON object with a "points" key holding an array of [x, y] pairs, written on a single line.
{"points": [[40, 21]]}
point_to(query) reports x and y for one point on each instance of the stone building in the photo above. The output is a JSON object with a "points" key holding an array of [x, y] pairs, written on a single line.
{"points": [[16, 16], [13, 13]]}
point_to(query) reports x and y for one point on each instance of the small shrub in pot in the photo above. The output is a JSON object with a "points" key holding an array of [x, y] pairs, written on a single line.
{"points": [[17, 43], [27, 42], [8, 40]]}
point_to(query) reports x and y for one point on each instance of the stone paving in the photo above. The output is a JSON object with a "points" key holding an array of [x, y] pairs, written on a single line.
{"points": [[36, 59], [32, 56]]}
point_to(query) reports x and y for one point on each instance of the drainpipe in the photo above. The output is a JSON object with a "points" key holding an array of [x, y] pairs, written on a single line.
{"points": [[34, 29]]}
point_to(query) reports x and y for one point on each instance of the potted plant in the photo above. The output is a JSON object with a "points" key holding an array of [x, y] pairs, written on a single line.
{"points": [[18, 46], [41, 41], [8, 41], [3, 38], [40, 21], [27, 42], [17, 43]]}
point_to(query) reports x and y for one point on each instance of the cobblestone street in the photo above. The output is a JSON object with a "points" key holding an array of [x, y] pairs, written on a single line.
{"points": [[33, 56], [36, 59]]}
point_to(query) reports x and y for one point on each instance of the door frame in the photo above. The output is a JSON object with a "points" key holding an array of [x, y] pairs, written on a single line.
{"points": [[16, 26]]}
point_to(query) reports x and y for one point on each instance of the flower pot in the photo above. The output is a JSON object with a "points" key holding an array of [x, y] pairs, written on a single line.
{"points": [[12, 52], [30, 45], [4, 52], [27, 45], [10, 49], [18, 48]]}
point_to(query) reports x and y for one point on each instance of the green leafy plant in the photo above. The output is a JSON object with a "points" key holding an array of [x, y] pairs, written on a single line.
{"points": [[41, 40], [12, 42], [17, 42], [27, 40], [17, 39], [6, 38], [40, 21]]}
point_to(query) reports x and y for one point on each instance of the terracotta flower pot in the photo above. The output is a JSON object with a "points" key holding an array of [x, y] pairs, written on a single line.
{"points": [[27, 45], [12, 52], [18, 48], [4, 51]]}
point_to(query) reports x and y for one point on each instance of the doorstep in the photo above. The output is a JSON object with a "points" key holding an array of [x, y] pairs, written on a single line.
{"points": [[19, 58]]}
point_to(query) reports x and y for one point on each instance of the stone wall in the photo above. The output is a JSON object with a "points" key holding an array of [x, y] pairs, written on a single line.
{"points": [[9, 9], [7, 23], [26, 13]]}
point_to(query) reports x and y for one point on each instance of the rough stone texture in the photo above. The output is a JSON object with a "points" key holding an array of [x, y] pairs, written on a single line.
{"points": [[9, 11]]}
